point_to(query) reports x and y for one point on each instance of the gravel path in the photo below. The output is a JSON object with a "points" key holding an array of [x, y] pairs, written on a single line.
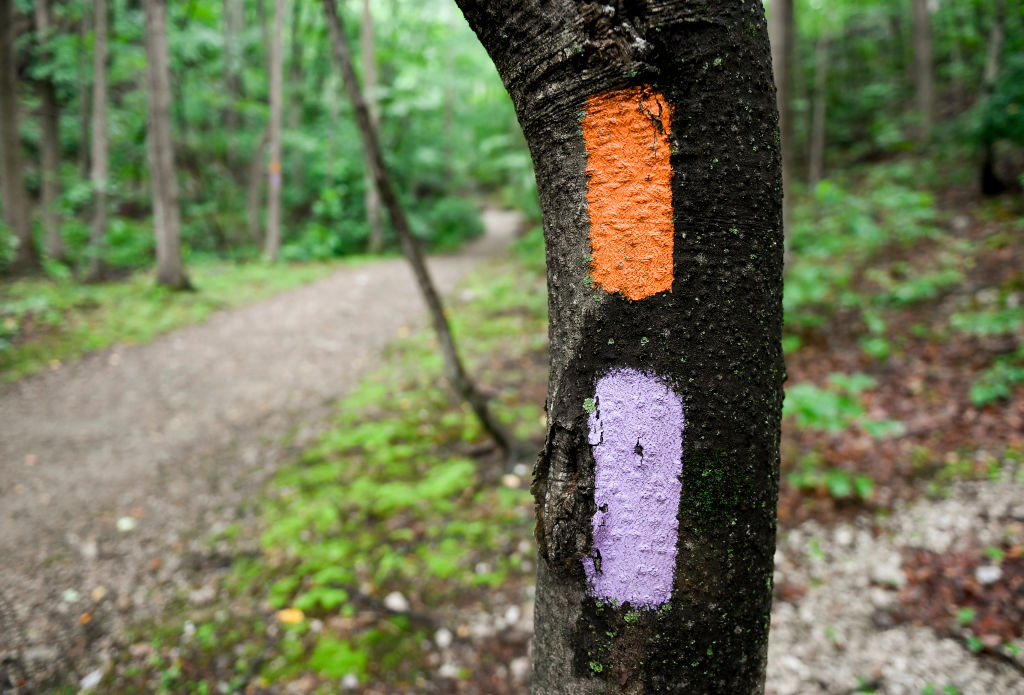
{"points": [[110, 466]]}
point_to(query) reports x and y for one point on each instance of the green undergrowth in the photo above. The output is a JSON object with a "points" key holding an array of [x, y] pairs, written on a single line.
{"points": [[44, 323], [836, 407], [400, 496]]}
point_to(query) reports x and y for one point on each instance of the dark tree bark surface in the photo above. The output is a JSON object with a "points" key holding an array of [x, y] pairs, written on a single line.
{"points": [[170, 272], [49, 114], [456, 373], [781, 30], [702, 333], [13, 195]]}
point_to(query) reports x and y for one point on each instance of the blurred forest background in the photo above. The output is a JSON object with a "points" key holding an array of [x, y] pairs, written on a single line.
{"points": [[903, 139]]}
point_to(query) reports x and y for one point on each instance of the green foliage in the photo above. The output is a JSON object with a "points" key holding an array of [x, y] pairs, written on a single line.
{"points": [[810, 474], [836, 233], [836, 407], [1001, 115]]}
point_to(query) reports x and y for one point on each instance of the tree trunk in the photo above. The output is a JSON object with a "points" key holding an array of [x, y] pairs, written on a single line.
{"points": [[234, 25], [653, 131], [456, 373], [50, 139], [100, 148], [13, 195], [170, 272], [84, 98], [780, 29], [816, 165], [373, 217], [273, 240], [924, 71], [253, 190], [991, 183]]}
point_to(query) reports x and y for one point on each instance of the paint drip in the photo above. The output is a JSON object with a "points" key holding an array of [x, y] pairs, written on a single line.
{"points": [[636, 431]]}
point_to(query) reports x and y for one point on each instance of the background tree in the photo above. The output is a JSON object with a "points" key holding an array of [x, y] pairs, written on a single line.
{"points": [[653, 136], [373, 216], [924, 80], [100, 146], [166, 217], [15, 199], [49, 115], [273, 240], [460, 380]]}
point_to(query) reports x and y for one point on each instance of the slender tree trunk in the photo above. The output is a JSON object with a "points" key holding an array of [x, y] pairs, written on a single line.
{"points": [[50, 141], [273, 241], [456, 373], [780, 29], [991, 184], [653, 131], [924, 70], [99, 157], [295, 92], [13, 196], [816, 165], [234, 25], [253, 190], [170, 272], [84, 98], [373, 216]]}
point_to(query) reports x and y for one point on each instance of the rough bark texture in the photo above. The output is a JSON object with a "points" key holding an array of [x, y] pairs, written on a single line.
{"points": [[780, 28], [454, 370], [924, 72], [50, 140], [712, 339], [816, 158], [166, 216], [13, 195], [373, 217], [273, 240], [99, 144]]}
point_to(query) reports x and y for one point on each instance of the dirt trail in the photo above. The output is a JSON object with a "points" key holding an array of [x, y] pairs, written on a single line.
{"points": [[110, 466]]}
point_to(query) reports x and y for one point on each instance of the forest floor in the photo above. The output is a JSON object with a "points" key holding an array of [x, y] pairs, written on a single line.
{"points": [[383, 548], [109, 466]]}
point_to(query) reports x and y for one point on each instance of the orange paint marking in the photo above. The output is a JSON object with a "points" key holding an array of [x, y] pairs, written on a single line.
{"points": [[629, 191]]}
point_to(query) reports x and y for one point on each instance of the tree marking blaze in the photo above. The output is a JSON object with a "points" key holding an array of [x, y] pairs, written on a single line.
{"points": [[636, 431], [629, 191]]}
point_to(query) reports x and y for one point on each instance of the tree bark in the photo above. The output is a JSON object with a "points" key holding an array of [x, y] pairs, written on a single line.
{"points": [[455, 371], [816, 164], [49, 114], [234, 25], [273, 239], [924, 71], [170, 272], [780, 29], [253, 190], [373, 217], [99, 148], [653, 131], [13, 195], [84, 99]]}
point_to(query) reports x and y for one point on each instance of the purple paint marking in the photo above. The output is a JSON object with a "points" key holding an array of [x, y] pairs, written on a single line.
{"points": [[636, 432]]}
